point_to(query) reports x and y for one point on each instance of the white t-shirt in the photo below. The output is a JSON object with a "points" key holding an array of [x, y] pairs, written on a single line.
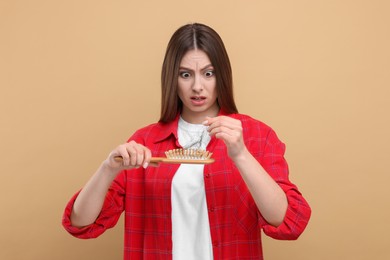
{"points": [[190, 223]]}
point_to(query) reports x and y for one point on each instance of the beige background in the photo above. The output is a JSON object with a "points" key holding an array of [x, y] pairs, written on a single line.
{"points": [[78, 77]]}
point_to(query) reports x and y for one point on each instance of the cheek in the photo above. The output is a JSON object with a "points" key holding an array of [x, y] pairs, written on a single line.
{"points": [[180, 91], [214, 88], [183, 86]]}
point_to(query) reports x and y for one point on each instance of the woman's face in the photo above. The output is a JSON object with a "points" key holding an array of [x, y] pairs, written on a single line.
{"points": [[197, 87]]}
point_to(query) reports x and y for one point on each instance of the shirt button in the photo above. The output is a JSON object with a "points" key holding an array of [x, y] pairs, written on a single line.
{"points": [[211, 209], [207, 175]]}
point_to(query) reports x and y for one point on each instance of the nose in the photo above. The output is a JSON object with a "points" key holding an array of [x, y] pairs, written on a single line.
{"points": [[197, 85]]}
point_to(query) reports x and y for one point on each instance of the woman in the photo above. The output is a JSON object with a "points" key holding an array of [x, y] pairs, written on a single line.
{"points": [[190, 211]]}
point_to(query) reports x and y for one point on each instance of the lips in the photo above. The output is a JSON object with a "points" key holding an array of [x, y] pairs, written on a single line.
{"points": [[198, 100]]}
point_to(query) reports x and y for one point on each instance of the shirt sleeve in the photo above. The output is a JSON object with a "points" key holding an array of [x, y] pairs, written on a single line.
{"points": [[298, 210], [112, 208]]}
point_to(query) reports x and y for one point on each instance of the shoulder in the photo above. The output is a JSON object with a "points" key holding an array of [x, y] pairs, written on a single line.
{"points": [[152, 132], [256, 129], [142, 132], [252, 123], [147, 129]]}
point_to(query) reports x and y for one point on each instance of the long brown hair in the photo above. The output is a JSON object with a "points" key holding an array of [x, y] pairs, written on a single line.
{"points": [[186, 38]]}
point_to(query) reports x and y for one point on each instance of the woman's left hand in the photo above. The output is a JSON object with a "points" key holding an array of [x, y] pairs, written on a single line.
{"points": [[230, 131]]}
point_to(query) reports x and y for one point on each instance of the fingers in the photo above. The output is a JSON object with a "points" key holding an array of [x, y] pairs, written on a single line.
{"points": [[224, 127], [134, 155], [230, 131]]}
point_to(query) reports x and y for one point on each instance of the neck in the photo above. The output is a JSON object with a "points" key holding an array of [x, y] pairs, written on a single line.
{"points": [[199, 117]]}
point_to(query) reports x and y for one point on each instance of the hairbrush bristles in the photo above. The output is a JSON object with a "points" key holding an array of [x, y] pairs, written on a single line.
{"points": [[185, 156], [188, 154]]}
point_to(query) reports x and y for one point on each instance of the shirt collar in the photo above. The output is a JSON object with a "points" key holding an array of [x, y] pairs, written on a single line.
{"points": [[165, 130]]}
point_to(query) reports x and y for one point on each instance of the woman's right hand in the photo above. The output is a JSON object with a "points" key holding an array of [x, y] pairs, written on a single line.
{"points": [[134, 155], [90, 201]]}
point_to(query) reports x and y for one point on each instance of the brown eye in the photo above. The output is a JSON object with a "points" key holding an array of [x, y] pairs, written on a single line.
{"points": [[185, 74], [209, 73]]}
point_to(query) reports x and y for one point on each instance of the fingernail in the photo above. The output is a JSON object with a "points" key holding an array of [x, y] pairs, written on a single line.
{"points": [[205, 122], [145, 165]]}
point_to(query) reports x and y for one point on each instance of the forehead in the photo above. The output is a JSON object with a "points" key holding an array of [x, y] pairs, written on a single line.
{"points": [[195, 57]]}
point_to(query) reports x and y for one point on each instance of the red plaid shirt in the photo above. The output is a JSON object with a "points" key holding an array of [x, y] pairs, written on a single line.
{"points": [[235, 221]]}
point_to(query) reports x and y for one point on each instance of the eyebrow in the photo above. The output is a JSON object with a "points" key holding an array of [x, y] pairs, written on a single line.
{"points": [[204, 68]]}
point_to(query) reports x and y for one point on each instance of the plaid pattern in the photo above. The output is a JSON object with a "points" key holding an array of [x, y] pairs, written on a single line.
{"points": [[235, 222]]}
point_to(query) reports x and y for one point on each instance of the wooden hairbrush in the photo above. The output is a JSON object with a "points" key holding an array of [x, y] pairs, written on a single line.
{"points": [[179, 156]]}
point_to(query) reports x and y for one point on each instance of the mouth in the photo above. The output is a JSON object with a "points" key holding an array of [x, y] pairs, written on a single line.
{"points": [[198, 100]]}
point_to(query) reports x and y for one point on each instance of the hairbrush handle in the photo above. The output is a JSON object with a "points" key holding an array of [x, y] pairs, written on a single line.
{"points": [[173, 161]]}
